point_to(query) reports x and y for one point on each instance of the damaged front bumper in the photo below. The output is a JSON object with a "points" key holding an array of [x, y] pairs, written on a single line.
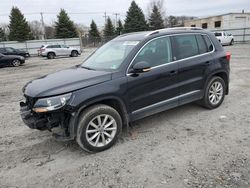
{"points": [[31, 119]]}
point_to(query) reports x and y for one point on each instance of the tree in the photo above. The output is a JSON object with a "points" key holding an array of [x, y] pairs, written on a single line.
{"points": [[50, 32], [119, 29], [109, 29], [19, 28], [64, 27], [94, 34], [172, 20], [135, 19], [36, 29], [155, 19], [2, 35]]}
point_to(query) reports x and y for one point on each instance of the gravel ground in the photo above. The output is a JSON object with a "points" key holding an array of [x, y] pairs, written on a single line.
{"points": [[187, 146]]}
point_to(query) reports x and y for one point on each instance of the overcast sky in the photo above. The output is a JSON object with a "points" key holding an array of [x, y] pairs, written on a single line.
{"points": [[83, 11]]}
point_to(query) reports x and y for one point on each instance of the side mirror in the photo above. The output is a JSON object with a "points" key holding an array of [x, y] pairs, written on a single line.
{"points": [[141, 67]]}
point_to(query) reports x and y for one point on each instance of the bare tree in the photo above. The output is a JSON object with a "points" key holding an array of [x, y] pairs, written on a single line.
{"points": [[160, 5], [36, 29]]}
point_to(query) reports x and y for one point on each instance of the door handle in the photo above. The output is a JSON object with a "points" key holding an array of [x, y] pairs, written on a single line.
{"points": [[173, 72], [208, 63]]}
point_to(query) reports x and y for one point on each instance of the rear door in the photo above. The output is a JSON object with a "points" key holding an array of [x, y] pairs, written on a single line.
{"points": [[65, 50], [156, 90], [194, 58], [58, 50]]}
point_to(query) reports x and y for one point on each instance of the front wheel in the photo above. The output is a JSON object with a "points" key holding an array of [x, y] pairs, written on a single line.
{"points": [[232, 42], [74, 53], [16, 63], [214, 93], [98, 128]]}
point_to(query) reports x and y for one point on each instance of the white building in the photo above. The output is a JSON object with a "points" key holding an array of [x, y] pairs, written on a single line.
{"points": [[224, 21]]}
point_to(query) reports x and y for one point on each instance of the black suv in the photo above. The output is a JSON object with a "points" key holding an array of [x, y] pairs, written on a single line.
{"points": [[133, 76], [13, 51]]}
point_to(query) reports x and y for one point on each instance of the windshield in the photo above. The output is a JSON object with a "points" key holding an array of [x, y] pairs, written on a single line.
{"points": [[110, 56]]}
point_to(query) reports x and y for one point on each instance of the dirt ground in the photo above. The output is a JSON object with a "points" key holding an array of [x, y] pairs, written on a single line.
{"points": [[188, 146]]}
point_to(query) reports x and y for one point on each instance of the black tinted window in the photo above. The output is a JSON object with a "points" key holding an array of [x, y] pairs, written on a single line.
{"points": [[209, 43], [156, 52], [217, 34], [201, 44], [186, 46], [56, 46], [2, 50]]}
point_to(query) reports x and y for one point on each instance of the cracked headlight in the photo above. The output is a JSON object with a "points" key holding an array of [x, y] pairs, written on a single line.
{"points": [[51, 103]]}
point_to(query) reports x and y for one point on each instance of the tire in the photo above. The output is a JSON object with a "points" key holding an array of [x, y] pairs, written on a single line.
{"points": [[232, 42], [92, 137], [74, 53], [51, 55], [16, 63], [214, 93]]}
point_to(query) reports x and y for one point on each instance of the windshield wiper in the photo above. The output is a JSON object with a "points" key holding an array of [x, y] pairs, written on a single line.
{"points": [[87, 68]]}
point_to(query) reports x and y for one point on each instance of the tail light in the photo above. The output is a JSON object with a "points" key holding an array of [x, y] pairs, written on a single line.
{"points": [[228, 56]]}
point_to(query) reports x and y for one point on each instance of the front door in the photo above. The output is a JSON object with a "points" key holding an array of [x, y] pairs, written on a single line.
{"points": [[156, 90]]}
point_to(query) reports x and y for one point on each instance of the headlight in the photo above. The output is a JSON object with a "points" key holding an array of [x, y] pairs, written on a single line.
{"points": [[51, 103]]}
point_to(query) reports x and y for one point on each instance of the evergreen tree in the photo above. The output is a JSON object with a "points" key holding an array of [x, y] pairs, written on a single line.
{"points": [[119, 28], [94, 34], [19, 28], [109, 29], [155, 19], [135, 19], [64, 27], [2, 35]]}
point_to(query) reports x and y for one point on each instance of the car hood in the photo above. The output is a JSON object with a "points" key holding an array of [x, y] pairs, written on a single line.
{"points": [[65, 81]]}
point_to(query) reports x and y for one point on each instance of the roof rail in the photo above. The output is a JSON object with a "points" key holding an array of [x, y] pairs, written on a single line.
{"points": [[173, 28], [185, 28]]}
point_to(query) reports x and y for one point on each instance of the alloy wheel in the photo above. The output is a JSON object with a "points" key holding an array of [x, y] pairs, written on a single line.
{"points": [[16, 62], [215, 93], [101, 130]]}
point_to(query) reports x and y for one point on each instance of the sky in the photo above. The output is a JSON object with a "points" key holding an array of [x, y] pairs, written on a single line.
{"points": [[83, 11]]}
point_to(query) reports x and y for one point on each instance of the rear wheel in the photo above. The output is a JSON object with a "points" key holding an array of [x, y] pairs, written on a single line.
{"points": [[16, 63], [74, 53], [51, 55], [98, 128], [214, 93]]}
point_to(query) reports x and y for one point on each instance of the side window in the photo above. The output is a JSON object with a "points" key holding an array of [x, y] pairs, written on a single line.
{"points": [[156, 52], [186, 46], [201, 44], [63, 46], [209, 44], [56, 46]]}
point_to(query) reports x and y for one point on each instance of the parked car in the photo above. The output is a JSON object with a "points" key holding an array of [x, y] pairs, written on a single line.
{"points": [[13, 51], [132, 76], [11, 60], [224, 38], [53, 50]]}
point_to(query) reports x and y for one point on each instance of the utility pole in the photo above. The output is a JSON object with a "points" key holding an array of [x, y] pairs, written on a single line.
{"points": [[116, 15], [105, 16], [43, 27]]}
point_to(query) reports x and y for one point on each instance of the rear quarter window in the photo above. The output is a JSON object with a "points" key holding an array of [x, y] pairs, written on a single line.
{"points": [[203, 48], [209, 44], [185, 46], [218, 34]]}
